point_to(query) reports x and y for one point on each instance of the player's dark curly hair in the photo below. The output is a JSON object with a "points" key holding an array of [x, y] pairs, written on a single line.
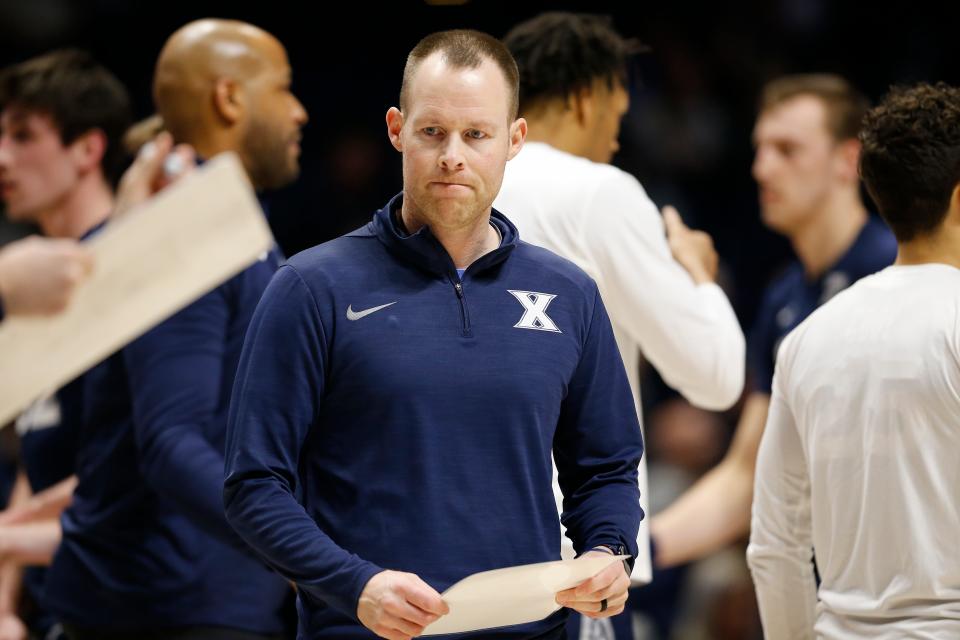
{"points": [[911, 156], [559, 53]]}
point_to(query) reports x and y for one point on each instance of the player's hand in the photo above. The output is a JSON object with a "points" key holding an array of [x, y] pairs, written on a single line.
{"points": [[12, 628], [157, 165], [610, 584], [398, 606], [38, 275], [691, 248]]}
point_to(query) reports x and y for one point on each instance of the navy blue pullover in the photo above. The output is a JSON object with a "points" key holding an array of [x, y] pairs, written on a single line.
{"points": [[145, 542], [417, 437]]}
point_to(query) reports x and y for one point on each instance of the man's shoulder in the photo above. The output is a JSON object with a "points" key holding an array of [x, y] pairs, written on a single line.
{"points": [[784, 286], [530, 256], [349, 249], [566, 168], [819, 328], [874, 249]]}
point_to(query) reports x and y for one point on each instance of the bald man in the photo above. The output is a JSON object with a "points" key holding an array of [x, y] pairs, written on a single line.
{"points": [[146, 551]]}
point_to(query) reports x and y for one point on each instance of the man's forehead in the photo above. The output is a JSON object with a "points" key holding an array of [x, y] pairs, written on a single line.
{"points": [[795, 118], [435, 70], [441, 89], [19, 115]]}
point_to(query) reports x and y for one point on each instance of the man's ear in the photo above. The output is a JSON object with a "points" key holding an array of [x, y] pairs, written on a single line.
{"points": [[228, 100], [88, 150], [395, 128], [582, 103], [518, 133], [848, 160], [953, 213]]}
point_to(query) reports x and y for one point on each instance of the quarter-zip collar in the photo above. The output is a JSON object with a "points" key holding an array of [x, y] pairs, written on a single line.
{"points": [[424, 250]]}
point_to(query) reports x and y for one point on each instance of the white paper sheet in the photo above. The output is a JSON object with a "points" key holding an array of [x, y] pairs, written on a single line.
{"points": [[149, 264], [513, 595]]}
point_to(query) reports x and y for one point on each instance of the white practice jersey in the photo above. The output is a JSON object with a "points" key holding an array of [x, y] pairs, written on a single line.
{"points": [[860, 463]]}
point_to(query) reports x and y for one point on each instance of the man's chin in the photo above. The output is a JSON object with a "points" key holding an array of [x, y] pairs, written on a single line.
{"points": [[452, 213]]}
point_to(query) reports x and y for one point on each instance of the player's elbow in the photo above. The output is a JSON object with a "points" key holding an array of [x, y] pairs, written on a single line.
{"points": [[715, 378], [765, 562]]}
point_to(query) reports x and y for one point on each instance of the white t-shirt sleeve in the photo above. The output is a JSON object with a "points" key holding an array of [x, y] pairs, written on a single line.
{"points": [[689, 332], [781, 542]]}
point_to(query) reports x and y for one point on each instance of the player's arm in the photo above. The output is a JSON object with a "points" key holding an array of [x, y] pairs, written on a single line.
{"points": [[687, 330], [175, 374], [781, 540], [598, 445], [715, 511]]}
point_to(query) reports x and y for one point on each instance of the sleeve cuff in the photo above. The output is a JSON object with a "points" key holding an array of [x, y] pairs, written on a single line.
{"points": [[358, 585], [618, 549]]}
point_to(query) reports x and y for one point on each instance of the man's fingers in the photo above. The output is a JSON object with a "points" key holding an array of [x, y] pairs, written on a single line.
{"points": [[403, 610], [405, 627], [84, 259], [78, 263], [599, 582], [595, 606], [609, 613], [388, 632], [672, 220], [613, 591], [420, 594]]}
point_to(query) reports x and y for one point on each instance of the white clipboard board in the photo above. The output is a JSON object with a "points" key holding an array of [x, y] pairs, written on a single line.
{"points": [[148, 264], [514, 595]]}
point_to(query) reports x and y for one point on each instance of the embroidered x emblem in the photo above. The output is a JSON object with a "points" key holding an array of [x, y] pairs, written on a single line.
{"points": [[535, 310]]}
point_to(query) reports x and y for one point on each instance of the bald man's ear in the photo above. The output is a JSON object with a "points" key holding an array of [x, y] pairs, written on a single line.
{"points": [[228, 101], [394, 127]]}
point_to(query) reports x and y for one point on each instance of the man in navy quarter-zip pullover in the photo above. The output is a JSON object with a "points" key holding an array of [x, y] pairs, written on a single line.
{"points": [[146, 550], [402, 388]]}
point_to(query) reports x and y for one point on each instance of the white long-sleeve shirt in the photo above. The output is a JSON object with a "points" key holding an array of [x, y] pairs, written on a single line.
{"points": [[600, 217], [860, 461]]}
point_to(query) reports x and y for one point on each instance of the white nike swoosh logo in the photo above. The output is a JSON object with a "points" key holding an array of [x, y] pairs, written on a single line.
{"points": [[356, 315]]}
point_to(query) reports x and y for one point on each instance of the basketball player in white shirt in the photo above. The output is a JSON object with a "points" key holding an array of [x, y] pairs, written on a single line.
{"points": [[858, 464]]}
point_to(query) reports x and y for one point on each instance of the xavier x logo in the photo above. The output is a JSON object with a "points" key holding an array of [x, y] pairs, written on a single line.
{"points": [[535, 310]]}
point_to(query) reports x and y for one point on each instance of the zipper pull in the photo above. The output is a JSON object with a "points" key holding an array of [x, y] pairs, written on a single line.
{"points": [[459, 289]]}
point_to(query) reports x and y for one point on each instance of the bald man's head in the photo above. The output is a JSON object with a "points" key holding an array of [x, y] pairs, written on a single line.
{"points": [[225, 85]]}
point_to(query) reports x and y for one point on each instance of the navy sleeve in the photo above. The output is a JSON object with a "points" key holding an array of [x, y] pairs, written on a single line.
{"points": [[598, 445], [276, 399], [175, 373], [760, 346]]}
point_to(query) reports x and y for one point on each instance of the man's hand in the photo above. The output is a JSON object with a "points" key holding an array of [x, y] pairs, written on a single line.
{"points": [[11, 628], [38, 275], [157, 165], [611, 585], [692, 249], [397, 605]]}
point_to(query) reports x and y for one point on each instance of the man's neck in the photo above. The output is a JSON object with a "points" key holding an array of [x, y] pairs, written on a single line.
{"points": [[554, 127], [940, 247], [465, 244], [830, 233], [83, 208]]}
